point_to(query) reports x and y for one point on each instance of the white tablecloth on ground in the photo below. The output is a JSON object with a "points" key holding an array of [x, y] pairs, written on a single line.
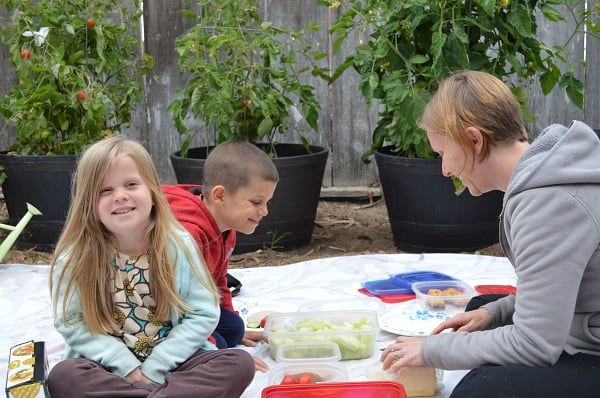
{"points": [[328, 284]]}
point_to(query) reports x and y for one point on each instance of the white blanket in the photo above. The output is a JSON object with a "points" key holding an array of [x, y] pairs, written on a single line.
{"points": [[324, 284]]}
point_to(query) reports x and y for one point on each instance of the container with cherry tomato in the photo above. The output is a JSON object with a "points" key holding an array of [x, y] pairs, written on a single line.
{"points": [[307, 373], [302, 378]]}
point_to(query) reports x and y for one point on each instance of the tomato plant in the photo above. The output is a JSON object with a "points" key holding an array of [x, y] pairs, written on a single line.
{"points": [[255, 79], [44, 107], [408, 47]]}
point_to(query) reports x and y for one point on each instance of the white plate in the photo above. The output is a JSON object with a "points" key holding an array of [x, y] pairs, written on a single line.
{"points": [[410, 319], [261, 309]]}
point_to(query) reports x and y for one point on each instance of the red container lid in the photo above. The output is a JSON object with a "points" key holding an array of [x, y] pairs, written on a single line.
{"points": [[496, 289], [351, 389], [389, 298]]}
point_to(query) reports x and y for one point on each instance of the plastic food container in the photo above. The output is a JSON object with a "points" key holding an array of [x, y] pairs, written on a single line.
{"points": [[367, 389], [308, 351], [419, 381], [443, 295], [353, 331], [401, 283], [319, 372]]}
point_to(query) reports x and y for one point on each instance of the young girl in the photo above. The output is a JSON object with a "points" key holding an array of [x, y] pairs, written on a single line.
{"points": [[545, 340], [131, 295]]}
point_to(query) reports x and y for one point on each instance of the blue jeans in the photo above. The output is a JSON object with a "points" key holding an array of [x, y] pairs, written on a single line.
{"points": [[230, 329]]}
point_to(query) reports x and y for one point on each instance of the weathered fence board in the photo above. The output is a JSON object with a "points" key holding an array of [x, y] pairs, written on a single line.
{"points": [[345, 123]]}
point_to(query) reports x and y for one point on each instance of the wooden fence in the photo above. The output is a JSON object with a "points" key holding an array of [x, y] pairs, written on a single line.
{"points": [[345, 122]]}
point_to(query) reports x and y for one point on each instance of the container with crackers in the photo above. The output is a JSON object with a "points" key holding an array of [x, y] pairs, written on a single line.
{"points": [[443, 295]]}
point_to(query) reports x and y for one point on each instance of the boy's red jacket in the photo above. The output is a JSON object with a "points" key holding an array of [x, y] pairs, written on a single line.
{"points": [[216, 247]]}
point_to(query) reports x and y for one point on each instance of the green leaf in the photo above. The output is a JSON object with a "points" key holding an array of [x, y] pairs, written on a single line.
{"points": [[373, 80], [487, 6], [574, 88], [551, 13], [419, 59], [548, 80], [459, 188], [265, 127], [520, 19], [438, 40]]}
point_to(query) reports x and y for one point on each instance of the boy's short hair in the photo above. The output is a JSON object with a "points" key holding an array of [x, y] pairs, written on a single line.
{"points": [[234, 163]]}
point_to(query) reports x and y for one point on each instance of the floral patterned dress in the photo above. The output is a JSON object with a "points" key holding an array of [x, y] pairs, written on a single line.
{"points": [[135, 306]]}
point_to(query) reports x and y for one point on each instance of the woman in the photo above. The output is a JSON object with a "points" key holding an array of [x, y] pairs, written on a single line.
{"points": [[545, 340]]}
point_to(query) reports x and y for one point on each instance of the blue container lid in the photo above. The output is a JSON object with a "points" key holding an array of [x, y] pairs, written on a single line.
{"points": [[408, 278], [385, 287], [401, 283]]}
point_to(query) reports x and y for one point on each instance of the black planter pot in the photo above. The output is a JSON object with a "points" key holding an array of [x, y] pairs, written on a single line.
{"points": [[426, 215], [45, 182], [292, 210]]}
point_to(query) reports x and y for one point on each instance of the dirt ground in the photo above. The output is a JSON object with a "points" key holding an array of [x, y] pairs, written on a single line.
{"points": [[343, 228]]}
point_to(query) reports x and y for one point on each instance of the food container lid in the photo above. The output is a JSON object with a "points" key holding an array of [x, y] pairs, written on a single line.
{"points": [[358, 389], [401, 283], [496, 289], [385, 287], [359, 303], [319, 372], [294, 322], [408, 278]]}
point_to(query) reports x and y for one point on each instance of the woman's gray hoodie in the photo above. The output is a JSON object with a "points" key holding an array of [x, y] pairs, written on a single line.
{"points": [[550, 231]]}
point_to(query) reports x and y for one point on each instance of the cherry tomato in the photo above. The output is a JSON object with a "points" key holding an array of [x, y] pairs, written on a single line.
{"points": [[304, 378], [90, 23], [25, 54], [288, 379], [80, 95], [262, 322]]}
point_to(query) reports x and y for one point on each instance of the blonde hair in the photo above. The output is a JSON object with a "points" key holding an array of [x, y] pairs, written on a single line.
{"points": [[475, 99], [234, 163], [87, 248]]}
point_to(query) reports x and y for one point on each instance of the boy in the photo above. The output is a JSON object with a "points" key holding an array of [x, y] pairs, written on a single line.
{"points": [[238, 180]]}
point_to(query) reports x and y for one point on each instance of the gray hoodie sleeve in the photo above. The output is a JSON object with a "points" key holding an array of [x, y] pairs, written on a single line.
{"points": [[502, 311], [554, 237]]}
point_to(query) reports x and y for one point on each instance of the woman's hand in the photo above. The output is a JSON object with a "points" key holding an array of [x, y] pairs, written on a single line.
{"points": [[251, 337], [136, 376], [405, 352], [470, 321]]}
